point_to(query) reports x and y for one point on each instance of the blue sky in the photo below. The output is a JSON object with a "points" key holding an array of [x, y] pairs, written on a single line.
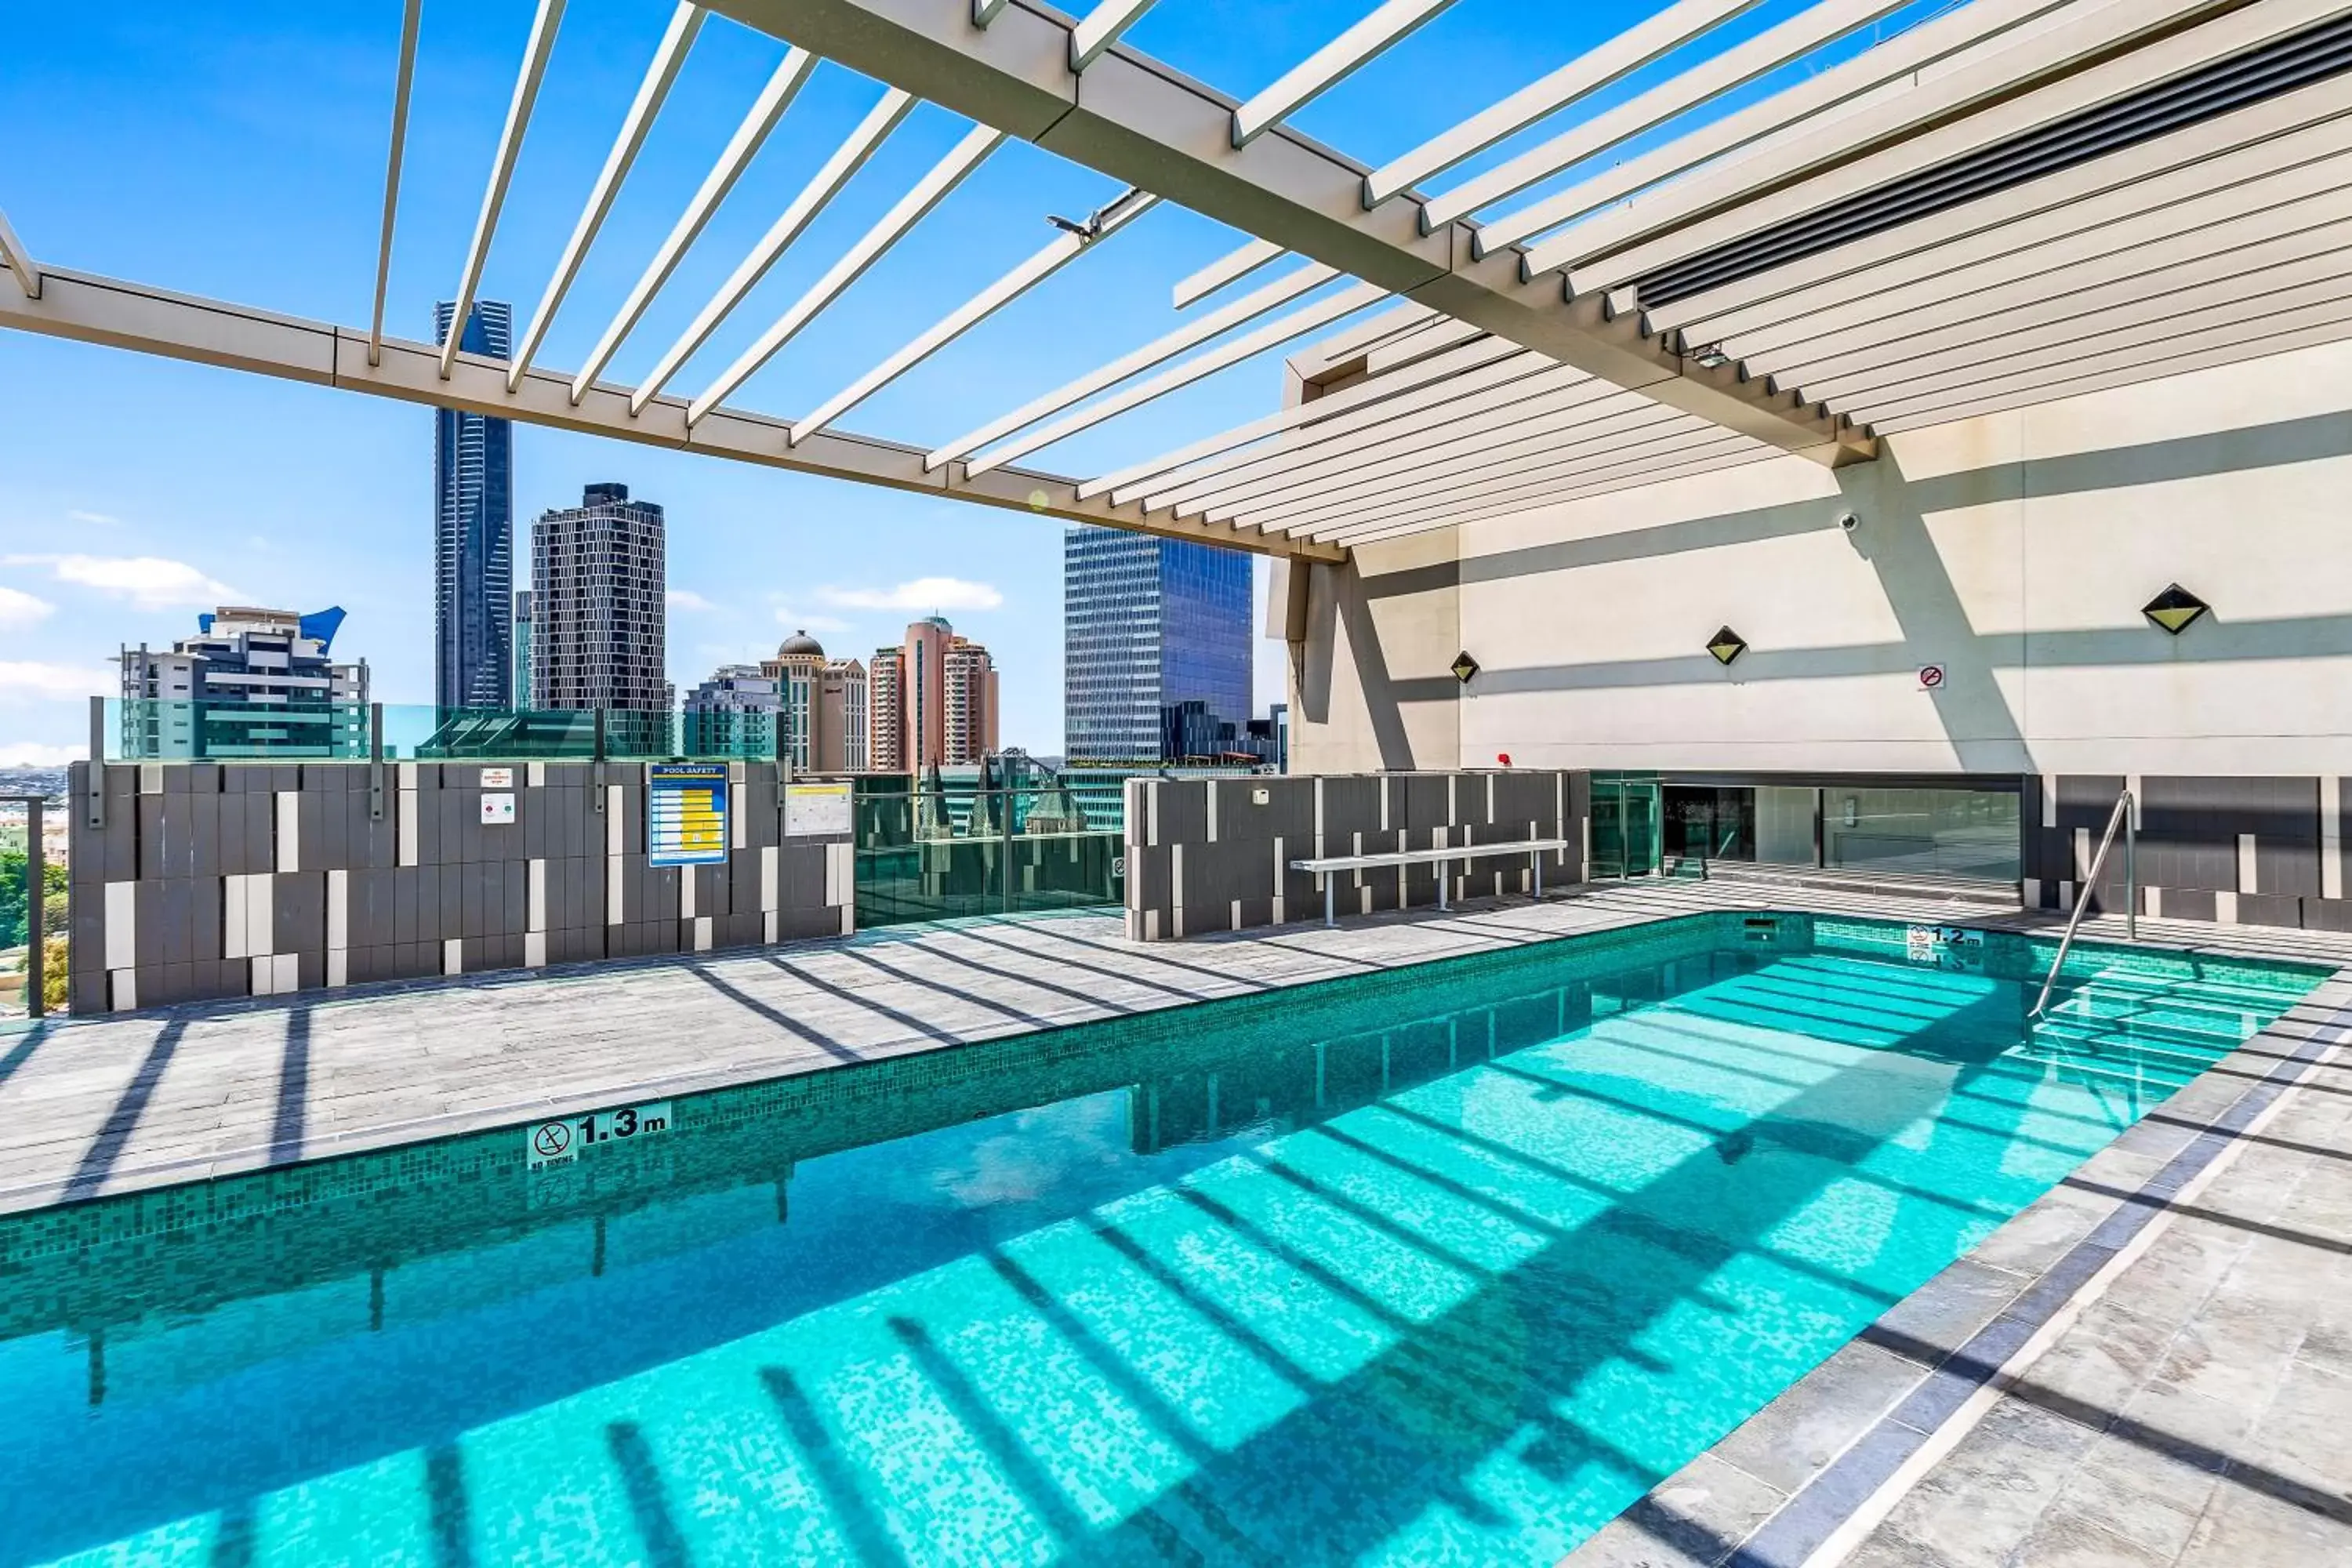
{"points": [[235, 149]]}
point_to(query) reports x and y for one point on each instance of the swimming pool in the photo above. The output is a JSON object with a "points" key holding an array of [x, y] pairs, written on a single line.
{"points": [[1447, 1265]]}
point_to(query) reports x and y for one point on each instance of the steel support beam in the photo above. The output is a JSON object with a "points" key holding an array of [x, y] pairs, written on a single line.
{"points": [[1144, 124], [131, 316]]}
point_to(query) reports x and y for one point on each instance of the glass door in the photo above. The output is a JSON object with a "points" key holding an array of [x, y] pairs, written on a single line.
{"points": [[1626, 819]]}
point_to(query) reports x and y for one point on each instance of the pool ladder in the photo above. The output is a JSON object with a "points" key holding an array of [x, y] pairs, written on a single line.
{"points": [[2121, 817]]}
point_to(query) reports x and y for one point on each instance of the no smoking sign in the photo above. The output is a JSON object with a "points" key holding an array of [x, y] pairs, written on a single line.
{"points": [[1931, 678]]}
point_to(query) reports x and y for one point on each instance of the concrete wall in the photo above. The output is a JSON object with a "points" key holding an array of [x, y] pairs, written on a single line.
{"points": [[1207, 855], [244, 880], [2015, 550]]}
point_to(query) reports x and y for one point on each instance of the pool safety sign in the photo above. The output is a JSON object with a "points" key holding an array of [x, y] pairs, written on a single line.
{"points": [[561, 1142], [685, 813], [1948, 947], [1931, 678]]}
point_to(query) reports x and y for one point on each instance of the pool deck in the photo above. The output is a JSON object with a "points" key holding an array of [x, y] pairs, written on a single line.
{"points": [[2153, 1364]]}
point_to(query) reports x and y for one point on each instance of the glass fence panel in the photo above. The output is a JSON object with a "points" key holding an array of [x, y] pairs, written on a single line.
{"points": [[151, 729], [16, 894], [927, 850], [1922, 831]]}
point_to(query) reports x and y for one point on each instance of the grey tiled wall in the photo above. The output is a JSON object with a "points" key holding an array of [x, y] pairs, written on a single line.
{"points": [[2251, 851], [236, 879], [1209, 855]]}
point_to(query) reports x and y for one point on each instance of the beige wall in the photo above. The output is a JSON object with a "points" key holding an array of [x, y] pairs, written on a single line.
{"points": [[2013, 549]]}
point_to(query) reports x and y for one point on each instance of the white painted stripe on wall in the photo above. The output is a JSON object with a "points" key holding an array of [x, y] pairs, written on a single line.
{"points": [[2083, 852], [535, 906], [2049, 800], [613, 901], [768, 926], [121, 925], [452, 956], [338, 909], [1209, 788], [1176, 886], [290, 830], [2249, 864], [2131, 787], [338, 966], [685, 880], [122, 990], [841, 875], [150, 778], [702, 933], [615, 835], [2154, 903], [2331, 838], [771, 872], [263, 979], [260, 908], [405, 825], [534, 949], [232, 917], [2225, 909], [537, 776]]}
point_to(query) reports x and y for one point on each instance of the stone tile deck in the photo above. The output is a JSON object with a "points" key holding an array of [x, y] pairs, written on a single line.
{"points": [[2193, 1414]]}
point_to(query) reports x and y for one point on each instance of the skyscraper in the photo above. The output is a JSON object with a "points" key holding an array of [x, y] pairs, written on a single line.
{"points": [[598, 621], [1156, 644], [250, 683], [473, 548], [733, 714], [523, 647], [933, 701]]}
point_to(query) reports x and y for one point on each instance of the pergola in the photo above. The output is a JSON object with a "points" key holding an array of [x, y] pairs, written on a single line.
{"points": [[1867, 218]]}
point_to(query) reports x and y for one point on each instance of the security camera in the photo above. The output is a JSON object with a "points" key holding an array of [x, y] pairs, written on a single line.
{"points": [[1849, 522]]}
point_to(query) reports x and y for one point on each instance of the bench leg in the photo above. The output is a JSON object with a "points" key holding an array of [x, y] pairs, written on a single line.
{"points": [[1330, 918], [1536, 860], [1441, 880]]}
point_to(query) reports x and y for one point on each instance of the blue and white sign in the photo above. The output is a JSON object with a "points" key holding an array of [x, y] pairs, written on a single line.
{"points": [[685, 813]]}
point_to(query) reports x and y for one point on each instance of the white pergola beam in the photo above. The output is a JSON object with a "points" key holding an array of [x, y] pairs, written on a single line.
{"points": [[2020, 334], [1595, 68], [669, 55], [910, 209], [1671, 439], [1980, 403], [1248, 308], [18, 260], [403, 81], [821, 187], [1144, 124], [1818, 168], [2292, 128], [1057, 253], [1100, 28], [1525, 379], [1880, 72], [1600, 422], [542, 43], [2299, 197], [133, 317], [1537, 408], [766, 111], [1297, 324], [1441, 368], [984, 12], [1229, 268], [2319, 281], [2162, 269], [2151, 359], [1330, 65], [1632, 479]]}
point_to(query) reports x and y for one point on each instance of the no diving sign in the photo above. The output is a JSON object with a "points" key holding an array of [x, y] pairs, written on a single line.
{"points": [[1931, 678]]}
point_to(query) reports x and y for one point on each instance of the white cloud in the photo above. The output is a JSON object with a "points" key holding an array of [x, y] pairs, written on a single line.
{"points": [[922, 594], [23, 681], [96, 519], [687, 599], [801, 623], [34, 754], [151, 582], [21, 609]]}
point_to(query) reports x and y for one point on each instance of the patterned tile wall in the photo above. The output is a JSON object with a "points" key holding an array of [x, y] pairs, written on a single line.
{"points": [[1215, 853], [2244, 851], [228, 879]]}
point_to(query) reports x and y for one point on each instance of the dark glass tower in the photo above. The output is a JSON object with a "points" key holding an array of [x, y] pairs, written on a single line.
{"points": [[1155, 647], [473, 532]]}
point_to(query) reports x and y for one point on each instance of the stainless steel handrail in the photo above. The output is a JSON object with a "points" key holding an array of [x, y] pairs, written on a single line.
{"points": [[2119, 818]]}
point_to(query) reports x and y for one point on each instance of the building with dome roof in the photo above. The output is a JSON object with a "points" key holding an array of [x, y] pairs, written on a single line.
{"points": [[821, 706]]}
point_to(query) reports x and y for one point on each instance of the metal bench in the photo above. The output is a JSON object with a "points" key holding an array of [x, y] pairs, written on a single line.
{"points": [[1535, 849]]}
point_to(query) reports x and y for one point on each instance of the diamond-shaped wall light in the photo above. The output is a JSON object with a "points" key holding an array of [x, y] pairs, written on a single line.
{"points": [[2173, 609], [1464, 667], [1727, 645]]}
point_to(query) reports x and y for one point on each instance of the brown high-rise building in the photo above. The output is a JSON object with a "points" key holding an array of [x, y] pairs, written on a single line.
{"points": [[933, 701], [823, 704]]}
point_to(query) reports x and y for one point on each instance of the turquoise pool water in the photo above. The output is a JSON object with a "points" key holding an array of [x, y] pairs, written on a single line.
{"points": [[1444, 1266]]}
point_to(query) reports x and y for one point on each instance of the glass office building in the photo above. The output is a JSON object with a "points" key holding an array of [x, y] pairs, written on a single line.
{"points": [[1156, 647], [473, 532]]}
